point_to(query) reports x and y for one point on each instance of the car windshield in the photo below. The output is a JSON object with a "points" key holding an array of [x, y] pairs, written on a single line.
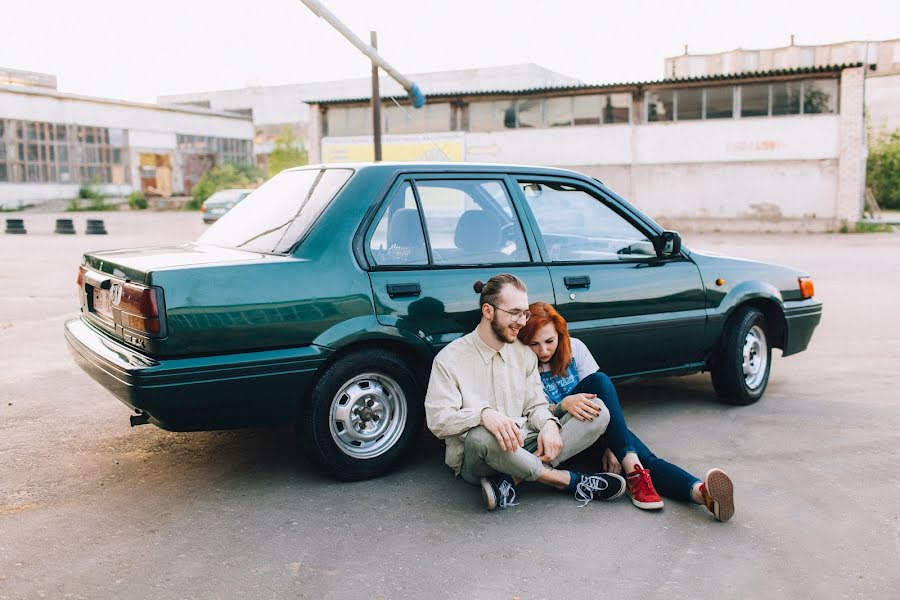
{"points": [[273, 218], [227, 196]]}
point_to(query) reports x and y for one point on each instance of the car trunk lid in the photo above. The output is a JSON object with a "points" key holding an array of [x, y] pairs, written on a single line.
{"points": [[117, 294]]}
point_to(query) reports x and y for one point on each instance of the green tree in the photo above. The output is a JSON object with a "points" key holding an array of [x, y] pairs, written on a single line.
{"points": [[883, 170], [288, 152], [221, 178]]}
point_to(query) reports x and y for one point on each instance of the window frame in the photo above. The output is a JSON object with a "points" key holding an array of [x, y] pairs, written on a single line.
{"points": [[370, 223]]}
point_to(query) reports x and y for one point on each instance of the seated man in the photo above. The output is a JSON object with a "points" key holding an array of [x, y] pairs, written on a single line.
{"points": [[486, 400]]}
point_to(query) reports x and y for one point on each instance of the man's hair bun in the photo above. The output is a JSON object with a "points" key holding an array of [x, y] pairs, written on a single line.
{"points": [[479, 285]]}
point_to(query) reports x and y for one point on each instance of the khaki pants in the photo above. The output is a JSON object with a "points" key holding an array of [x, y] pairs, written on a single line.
{"points": [[484, 457]]}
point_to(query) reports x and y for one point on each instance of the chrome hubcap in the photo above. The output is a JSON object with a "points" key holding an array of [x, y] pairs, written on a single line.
{"points": [[756, 357], [368, 415]]}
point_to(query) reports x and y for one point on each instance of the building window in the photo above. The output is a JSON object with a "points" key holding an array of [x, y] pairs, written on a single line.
{"points": [[617, 108], [660, 106], [587, 110], [99, 161], [404, 119], [4, 168], [224, 150], [819, 96], [755, 100], [558, 112], [720, 102], [39, 152], [689, 104], [347, 121], [786, 98], [492, 116], [530, 113], [437, 117]]}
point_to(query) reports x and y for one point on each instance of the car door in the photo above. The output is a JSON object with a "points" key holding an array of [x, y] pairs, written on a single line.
{"points": [[432, 239], [636, 311]]}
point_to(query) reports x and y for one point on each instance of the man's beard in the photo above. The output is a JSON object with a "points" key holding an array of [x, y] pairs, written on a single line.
{"points": [[503, 333]]}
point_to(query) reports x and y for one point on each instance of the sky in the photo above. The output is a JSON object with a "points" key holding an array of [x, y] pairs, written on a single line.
{"points": [[139, 50]]}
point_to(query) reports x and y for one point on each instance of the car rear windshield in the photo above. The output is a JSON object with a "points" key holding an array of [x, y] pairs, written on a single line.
{"points": [[274, 217], [227, 196]]}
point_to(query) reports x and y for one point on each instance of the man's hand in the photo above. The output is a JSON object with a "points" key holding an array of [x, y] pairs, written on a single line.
{"points": [[611, 463], [504, 429], [549, 442], [582, 406]]}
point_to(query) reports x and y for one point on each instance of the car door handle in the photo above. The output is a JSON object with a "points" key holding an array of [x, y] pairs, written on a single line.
{"points": [[403, 290], [581, 281]]}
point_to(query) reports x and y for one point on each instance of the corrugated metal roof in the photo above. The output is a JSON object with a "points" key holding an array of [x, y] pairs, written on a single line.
{"points": [[587, 87], [51, 93]]}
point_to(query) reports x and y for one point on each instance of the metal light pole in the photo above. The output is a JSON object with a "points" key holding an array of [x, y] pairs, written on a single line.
{"points": [[376, 102], [415, 94]]}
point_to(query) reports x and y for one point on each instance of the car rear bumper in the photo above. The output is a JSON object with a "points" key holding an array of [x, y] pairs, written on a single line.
{"points": [[199, 393], [801, 318]]}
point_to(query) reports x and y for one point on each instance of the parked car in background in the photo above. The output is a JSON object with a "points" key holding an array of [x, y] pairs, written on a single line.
{"points": [[220, 203], [322, 298]]}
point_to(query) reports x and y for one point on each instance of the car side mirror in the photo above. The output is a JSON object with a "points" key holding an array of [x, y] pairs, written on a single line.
{"points": [[668, 243]]}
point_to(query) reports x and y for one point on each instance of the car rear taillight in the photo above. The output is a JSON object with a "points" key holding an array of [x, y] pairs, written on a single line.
{"points": [[80, 277], [807, 290], [203, 208], [140, 308]]}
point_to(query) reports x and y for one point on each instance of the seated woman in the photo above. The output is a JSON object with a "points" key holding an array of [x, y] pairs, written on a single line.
{"points": [[572, 384]]}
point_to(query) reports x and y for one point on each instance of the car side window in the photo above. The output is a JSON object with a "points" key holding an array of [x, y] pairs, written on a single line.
{"points": [[398, 238], [579, 227], [471, 222]]}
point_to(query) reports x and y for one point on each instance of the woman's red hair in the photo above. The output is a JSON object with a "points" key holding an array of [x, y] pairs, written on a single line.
{"points": [[541, 314]]}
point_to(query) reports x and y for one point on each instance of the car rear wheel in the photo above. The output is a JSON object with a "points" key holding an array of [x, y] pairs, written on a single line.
{"points": [[741, 369], [362, 415]]}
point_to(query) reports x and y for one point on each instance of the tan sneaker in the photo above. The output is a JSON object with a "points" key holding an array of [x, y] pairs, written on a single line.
{"points": [[718, 494]]}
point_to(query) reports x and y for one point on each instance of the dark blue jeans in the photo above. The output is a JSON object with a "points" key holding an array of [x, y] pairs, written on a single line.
{"points": [[669, 480]]}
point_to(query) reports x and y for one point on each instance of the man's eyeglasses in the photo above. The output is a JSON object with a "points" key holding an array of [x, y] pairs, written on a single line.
{"points": [[515, 314]]}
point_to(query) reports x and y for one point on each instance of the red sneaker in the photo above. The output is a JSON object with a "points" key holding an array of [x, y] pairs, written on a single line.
{"points": [[640, 488], [718, 494]]}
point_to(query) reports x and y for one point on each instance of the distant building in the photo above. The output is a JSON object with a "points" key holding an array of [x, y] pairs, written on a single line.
{"points": [[766, 150], [882, 79], [276, 107], [52, 142]]}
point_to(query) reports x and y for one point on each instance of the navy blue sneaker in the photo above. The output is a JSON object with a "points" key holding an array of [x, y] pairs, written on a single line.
{"points": [[596, 486], [498, 491]]}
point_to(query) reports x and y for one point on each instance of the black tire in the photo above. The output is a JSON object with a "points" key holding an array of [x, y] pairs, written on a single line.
{"points": [[746, 331], [362, 415]]}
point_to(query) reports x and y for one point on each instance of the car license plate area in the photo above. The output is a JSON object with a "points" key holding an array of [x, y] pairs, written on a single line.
{"points": [[101, 303]]}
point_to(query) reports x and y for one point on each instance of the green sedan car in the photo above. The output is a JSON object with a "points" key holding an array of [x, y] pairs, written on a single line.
{"points": [[321, 299]]}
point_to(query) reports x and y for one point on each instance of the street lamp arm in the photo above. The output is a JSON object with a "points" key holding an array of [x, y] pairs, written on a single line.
{"points": [[415, 93]]}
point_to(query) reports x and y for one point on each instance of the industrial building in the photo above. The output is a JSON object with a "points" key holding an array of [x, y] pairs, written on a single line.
{"points": [[742, 140], [882, 79], [275, 108], [778, 150], [53, 142]]}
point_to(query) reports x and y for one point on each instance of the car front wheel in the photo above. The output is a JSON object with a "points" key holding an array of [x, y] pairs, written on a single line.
{"points": [[741, 369], [362, 415]]}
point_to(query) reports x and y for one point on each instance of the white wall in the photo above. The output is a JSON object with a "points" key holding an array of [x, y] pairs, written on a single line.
{"points": [[795, 137], [157, 140], [883, 103], [15, 195], [609, 144], [766, 191]]}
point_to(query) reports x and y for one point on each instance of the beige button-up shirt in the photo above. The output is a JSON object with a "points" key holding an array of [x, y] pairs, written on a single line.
{"points": [[467, 376]]}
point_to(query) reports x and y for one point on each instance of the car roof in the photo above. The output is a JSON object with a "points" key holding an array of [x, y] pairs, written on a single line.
{"points": [[446, 167]]}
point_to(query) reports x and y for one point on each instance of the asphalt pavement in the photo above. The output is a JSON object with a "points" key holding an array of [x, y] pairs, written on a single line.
{"points": [[92, 508]]}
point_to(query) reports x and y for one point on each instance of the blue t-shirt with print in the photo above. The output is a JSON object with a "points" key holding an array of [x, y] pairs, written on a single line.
{"points": [[557, 387]]}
